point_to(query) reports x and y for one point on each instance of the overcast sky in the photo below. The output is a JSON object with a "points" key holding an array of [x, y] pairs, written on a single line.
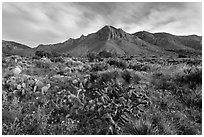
{"points": [[44, 23]]}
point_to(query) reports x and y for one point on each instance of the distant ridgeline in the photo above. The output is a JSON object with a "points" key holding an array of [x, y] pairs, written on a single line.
{"points": [[110, 41]]}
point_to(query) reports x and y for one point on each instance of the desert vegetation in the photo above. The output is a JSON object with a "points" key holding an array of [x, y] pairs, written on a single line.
{"points": [[101, 95]]}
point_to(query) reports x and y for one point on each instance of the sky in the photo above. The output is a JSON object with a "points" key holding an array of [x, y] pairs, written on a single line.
{"points": [[45, 23]]}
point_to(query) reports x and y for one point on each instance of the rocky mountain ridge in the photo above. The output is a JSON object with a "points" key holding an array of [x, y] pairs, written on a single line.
{"points": [[117, 41]]}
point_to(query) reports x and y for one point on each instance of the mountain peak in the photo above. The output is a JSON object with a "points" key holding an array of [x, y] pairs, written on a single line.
{"points": [[82, 36], [108, 27], [109, 32]]}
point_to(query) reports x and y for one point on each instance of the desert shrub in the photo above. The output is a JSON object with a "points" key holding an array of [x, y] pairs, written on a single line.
{"points": [[171, 114], [135, 78], [105, 54], [36, 57], [41, 64], [182, 56], [126, 75], [91, 56], [181, 82], [129, 77], [43, 53], [99, 66], [56, 54], [4, 61], [161, 81], [118, 63], [195, 62], [66, 55], [188, 97], [192, 76], [110, 120], [139, 67], [73, 62], [178, 76], [57, 59], [108, 76]]}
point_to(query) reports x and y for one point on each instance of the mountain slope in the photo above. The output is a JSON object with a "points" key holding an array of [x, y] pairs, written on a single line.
{"points": [[108, 38], [14, 48], [171, 42], [118, 42]]}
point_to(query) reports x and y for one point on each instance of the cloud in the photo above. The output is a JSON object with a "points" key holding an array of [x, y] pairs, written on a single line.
{"points": [[36, 23]]}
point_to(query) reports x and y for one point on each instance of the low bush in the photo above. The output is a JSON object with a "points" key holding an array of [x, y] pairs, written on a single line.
{"points": [[57, 59], [41, 64], [41, 54], [139, 67], [92, 56], [118, 63], [99, 67], [192, 76], [105, 54]]}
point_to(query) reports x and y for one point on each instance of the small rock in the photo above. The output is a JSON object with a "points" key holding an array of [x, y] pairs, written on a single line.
{"points": [[74, 81], [18, 87], [17, 71], [45, 88], [23, 85]]}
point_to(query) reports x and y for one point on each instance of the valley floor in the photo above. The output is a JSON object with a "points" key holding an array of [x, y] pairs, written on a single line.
{"points": [[120, 96]]}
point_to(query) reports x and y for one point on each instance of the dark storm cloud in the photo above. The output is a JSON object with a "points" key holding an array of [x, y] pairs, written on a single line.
{"points": [[35, 23]]}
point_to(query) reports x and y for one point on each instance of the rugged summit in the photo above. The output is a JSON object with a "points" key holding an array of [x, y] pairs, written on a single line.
{"points": [[110, 32], [117, 41]]}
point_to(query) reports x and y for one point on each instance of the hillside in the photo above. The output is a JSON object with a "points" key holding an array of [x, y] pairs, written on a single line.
{"points": [[14, 48], [171, 42]]}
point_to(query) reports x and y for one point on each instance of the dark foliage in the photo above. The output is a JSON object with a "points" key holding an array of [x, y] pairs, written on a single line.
{"points": [[43, 54], [118, 63]]}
